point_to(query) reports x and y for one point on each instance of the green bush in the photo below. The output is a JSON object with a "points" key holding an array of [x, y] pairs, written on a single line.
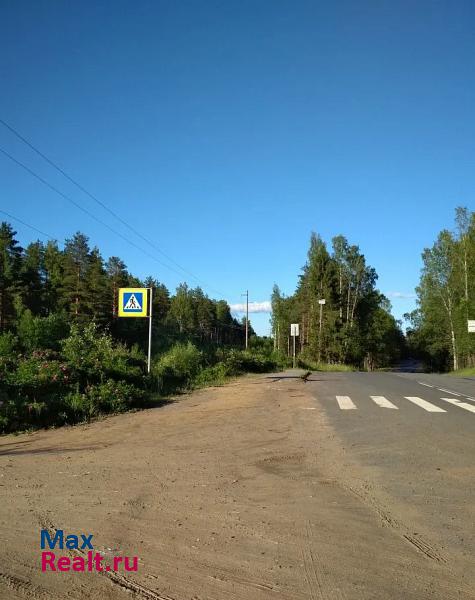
{"points": [[91, 375], [8, 343], [8, 357], [42, 369], [77, 407], [110, 396], [94, 357], [246, 361], [215, 375], [37, 333], [114, 396], [176, 369]]}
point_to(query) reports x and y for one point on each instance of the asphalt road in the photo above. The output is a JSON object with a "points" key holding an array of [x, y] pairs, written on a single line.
{"points": [[416, 451]]}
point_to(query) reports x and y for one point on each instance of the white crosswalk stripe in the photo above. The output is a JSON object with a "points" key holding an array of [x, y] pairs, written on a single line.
{"points": [[465, 405], [345, 402], [424, 404], [383, 402]]}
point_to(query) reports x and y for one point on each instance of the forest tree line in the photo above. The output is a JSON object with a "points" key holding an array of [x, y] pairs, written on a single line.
{"points": [[446, 299], [43, 289], [66, 357], [354, 326]]}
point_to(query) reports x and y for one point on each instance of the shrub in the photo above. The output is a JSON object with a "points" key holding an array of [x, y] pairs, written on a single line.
{"points": [[76, 407], [8, 356], [107, 397], [95, 357], [215, 375], [176, 368], [114, 396], [42, 332], [246, 361], [8, 344]]}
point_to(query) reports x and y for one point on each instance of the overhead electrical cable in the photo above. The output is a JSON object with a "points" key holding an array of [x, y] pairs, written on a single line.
{"points": [[85, 210], [4, 212], [104, 206], [33, 228]]}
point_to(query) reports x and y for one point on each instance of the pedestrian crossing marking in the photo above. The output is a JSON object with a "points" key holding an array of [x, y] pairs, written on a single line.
{"points": [[424, 404], [465, 405], [383, 402], [345, 403], [133, 303]]}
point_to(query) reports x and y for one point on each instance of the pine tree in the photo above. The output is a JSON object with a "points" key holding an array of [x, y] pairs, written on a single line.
{"points": [[96, 302], [117, 277], [10, 266], [53, 274], [33, 277], [74, 285]]}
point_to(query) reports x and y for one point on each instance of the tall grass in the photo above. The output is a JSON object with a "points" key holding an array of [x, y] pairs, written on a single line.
{"points": [[468, 372]]}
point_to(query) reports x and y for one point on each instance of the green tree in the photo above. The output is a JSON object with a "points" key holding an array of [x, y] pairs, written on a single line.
{"points": [[32, 278], [10, 266], [53, 260], [117, 277], [96, 303], [76, 267]]}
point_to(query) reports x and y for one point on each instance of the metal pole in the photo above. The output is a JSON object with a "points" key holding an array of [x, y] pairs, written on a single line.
{"points": [[320, 334], [149, 361], [247, 318], [294, 349]]}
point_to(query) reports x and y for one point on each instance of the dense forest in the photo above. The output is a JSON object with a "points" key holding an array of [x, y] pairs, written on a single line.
{"points": [[65, 356], [43, 289], [354, 326], [446, 299]]}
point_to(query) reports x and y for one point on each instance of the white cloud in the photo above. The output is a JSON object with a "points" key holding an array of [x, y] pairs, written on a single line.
{"points": [[403, 295], [254, 307]]}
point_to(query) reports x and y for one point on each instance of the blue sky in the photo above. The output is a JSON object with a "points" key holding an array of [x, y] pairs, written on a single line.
{"points": [[227, 131]]}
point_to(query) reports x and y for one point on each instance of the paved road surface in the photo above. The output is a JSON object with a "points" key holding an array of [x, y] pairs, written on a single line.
{"points": [[414, 434]]}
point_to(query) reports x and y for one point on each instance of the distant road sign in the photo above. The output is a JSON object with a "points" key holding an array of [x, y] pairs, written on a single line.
{"points": [[294, 329], [133, 302], [471, 326]]}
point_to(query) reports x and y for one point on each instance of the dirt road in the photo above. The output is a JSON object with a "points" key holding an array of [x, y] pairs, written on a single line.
{"points": [[242, 493]]}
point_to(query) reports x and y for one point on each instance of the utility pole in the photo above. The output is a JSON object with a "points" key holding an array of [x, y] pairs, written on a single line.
{"points": [[321, 302], [247, 317]]}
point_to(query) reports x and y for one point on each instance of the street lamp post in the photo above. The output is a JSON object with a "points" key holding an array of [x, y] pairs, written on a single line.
{"points": [[321, 302]]}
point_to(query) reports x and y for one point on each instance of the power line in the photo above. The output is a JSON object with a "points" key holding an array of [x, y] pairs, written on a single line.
{"points": [[32, 227], [10, 216], [104, 206], [26, 224], [85, 210]]}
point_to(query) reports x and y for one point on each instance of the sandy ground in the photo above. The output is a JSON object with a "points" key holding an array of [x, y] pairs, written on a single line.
{"points": [[241, 493]]}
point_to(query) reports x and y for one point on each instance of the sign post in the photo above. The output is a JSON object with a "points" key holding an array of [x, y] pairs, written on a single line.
{"points": [[322, 303], [471, 326], [149, 357], [134, 302], [294, 332]]}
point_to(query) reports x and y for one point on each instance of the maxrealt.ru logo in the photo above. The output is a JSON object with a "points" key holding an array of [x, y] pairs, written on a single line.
{"points": [[87, 559]]}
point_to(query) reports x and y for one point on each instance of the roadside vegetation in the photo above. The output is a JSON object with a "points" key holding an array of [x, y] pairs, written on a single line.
{"points": [[65, 357], [468, 372], [446, 300], [354, 328]]}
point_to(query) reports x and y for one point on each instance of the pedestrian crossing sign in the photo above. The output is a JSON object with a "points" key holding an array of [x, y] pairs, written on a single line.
{"points": [[133, 302]]}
